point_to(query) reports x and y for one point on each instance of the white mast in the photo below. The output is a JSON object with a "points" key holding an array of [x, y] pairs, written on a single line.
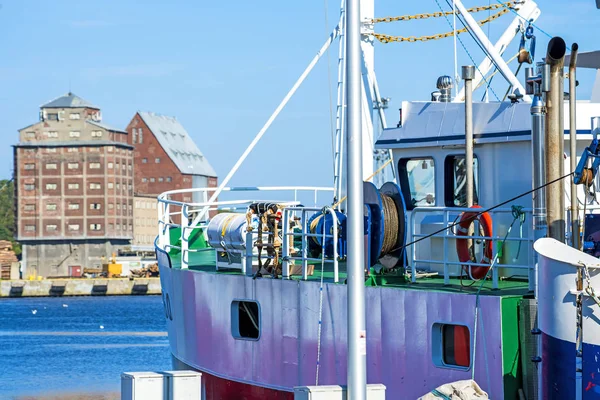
{"points": [[357, 342]]}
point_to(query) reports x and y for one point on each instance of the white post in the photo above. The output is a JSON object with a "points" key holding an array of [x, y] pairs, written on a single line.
{"points": [[491, 51]]}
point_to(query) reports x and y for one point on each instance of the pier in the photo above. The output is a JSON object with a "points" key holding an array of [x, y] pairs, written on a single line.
{"points": [[80, 287]]}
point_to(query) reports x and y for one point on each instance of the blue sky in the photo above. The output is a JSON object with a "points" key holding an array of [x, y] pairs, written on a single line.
{"points": [[222, 67]]}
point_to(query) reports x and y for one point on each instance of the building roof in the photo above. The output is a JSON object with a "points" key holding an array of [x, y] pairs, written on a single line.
{"points": [[69, 100], [178, 145], [105, 126]]}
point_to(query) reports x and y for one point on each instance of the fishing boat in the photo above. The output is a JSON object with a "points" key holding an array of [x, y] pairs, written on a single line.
{"points": [[474, 263]]}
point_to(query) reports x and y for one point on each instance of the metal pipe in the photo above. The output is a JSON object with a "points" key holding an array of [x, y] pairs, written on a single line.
{"points": [[555, 199], [489, 49], [573, 145], [357, 346], [539, 166], [468, 73]]}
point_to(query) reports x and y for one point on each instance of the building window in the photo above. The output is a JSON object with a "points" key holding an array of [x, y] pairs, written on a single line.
{"points": [[73, 165], [417, 181], [29, 228], [74, 134], [144, 180], [73, 186], [29, 207], [29, 151], [152, 179], [118, 206], [130, 187], [161, 179], [95, 206], [130, 228], [123, 166], [51, 206], [245, 320], [52, 134], [51, 228], [134, 135], [154, 205], [111, 226], [74, 116], [157, 160], [451, 346], [51, 186], [186, 179], [94, 165], [73, 227], [73, 150], [30, 135], [130, 167], [118, 227], [51, 150], [137, 204], [29, 166], [144, 160], [29, 186], [169, 179], [111, 185], [111, 206], [53, 117], [73, 206], [51, 166], [94, 150], [110, 165], [118, 186], [141, 135], [96, 134], [455, 181], [110, 149], [95, 186], [95, 227]]}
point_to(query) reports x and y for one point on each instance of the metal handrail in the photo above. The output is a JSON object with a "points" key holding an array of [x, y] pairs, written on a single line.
{"points": [[446, 211], [184, 211]]}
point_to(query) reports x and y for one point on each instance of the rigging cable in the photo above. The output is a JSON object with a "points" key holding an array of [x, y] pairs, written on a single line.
{"points": [[477, 214], [465, 48], [326, 5]]}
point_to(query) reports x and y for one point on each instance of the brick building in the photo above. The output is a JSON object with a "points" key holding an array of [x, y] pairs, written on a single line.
{"points": [[73, 189], [166, 158]]}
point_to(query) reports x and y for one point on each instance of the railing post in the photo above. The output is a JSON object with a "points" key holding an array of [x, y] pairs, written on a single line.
{"points": [[247, 268], [335, 243], [285, 265], [167, 227], [413, 250], [184, 239], [446, 272], [305, 231]]}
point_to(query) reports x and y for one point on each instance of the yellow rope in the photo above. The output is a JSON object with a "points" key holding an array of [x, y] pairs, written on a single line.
{"points": [[390, 218], [440, 14], [383, 38]]}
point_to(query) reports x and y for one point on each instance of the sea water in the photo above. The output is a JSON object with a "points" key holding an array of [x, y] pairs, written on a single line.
{"points": [[63, 346]]}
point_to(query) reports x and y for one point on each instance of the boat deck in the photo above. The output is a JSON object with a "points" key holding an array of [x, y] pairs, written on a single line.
{"points": [[205, 262]]}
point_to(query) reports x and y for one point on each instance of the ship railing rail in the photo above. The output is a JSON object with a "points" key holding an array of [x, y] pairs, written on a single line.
{"points": [[522, 237], [305, 234], [193, 213]]}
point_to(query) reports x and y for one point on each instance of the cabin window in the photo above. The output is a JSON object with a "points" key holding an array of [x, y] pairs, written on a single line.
{"points": [[417, 181], [455, 181], [451, 346], [245, 320]]}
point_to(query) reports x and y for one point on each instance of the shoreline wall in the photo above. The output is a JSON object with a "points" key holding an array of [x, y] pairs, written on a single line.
{"points": [[80, 287]]}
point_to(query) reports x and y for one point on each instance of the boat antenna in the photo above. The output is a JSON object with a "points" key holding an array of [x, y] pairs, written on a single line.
{"points": [[357, 338]]}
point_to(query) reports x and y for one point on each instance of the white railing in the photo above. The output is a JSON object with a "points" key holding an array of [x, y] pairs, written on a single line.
{"points": [[499, 228], [306, 234], [178, 214]]}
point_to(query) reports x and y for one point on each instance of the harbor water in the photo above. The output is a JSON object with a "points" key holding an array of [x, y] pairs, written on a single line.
{"points": [[77, 347]]}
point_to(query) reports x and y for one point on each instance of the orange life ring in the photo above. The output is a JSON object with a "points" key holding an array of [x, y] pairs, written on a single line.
{"points": [[462, 245]]}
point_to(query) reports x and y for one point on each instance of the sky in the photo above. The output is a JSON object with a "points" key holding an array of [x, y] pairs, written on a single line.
{"points": [[222, 68]]}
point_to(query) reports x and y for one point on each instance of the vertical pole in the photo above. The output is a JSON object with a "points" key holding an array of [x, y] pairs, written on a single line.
{"points": [[555, 198], [573, 145], [468, 73], [357, 346]]}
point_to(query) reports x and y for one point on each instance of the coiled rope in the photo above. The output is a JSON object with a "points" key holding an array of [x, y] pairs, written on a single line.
{"points": [[390, 217]]}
